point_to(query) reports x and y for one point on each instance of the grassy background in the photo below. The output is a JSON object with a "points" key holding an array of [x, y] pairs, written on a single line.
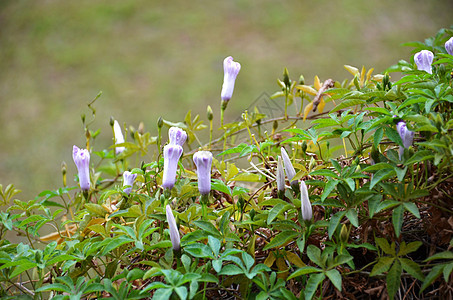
{"points": [[152, 58]]}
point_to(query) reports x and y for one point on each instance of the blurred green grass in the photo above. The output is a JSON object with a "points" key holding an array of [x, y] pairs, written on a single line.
{"points": [[160, 58]]}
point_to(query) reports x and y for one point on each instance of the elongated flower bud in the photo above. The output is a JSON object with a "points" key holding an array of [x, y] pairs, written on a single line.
{"points": [[177, 136], [81, 159], [119, 139], [449, 46], [203, 161], [423, 60], [174, 232], [406, 135], [172, 153], [305, 204], [280, 175], [290, 172], [128, 180], [231, 70]]}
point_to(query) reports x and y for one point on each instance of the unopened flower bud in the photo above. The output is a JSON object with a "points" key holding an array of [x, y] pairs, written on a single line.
{"points": [[406, 135], [449, 46], [231, 70], [141, 128], [172, 153], [128, 180], [203, 161], [112, 121], [160, 122], [174, 232], [209, 113], [280, 175], [286, 78], [423, 60], [81, 159], [290, 172], [301, 79], [275, 125], [305, 204], [119, 139]]}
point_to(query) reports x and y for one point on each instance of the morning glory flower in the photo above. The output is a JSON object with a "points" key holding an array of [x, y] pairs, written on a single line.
{"points": [[128, 180], [119, 139], [172, 153], [305, 204], [81, 159], [406, 135], [280, 175], [449, 46], [203, 161], [290, 172], [423, 60], [174, 233], [177, 136], [231, 70]]}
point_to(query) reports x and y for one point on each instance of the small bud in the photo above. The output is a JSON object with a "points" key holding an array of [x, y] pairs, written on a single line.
{"points": [[252, 214], [160, 122], [286, 79], [304, 146], [275, 125], [301, 79], [83, 118], [423, 60], [63, 172], [112, 121], [344, 234], [141, 128], [132, 131], [209, 113]]}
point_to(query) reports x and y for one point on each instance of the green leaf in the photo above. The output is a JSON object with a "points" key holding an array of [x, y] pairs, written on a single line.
{"points": [[435, 272], [412, 208], [220, 186], [394, 279], [441, 255], [351, 214], [199, 250], [393, 135], [411, 247], [335, 278], [397, 219], [281, 239], [249, 177], [400, 173], [314, 254], [303, 271], [412, 268], [381, 175], [385, 246], [334, 221], [382, 265], [208, 227], [347, 103], [447, 271], [58, 287], [420, 156], [230, 270], [325, 173], [330, 186], [116, 242], [277, 210], [312, 284]]}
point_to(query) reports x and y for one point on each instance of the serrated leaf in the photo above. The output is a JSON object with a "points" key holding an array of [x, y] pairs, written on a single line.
{"points": [[277, 210], [325, 173], [335, 278], [412, 268], [441, 255], [303, 271], [382, 265], [412, 208], [394, 279], [334, 221], [429, 279], [348, 103], [397, 219], [312, 284], [381, 175], [281, 238]]}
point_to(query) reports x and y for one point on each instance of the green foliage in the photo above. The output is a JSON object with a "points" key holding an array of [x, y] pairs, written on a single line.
{"points": [[369, 198]]}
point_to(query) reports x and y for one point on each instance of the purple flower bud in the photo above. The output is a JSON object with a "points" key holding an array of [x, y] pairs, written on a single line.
{"points": [[119, 139], [128, 180], [280, 175], [449, 46], [406, 135], [231, 70], [423, 60], [177, 136], [81, 159], [172, 153], [305, 204], [174, 233], [203, 161], [290, 172]]}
